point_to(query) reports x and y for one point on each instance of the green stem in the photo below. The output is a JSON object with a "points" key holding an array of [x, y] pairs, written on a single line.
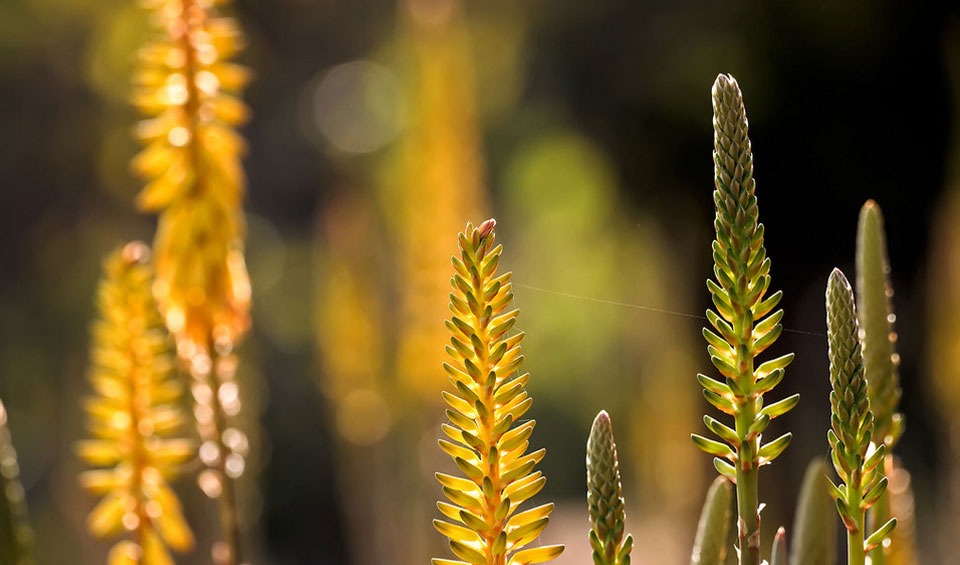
{"points": [[855, 552], [749, 521], [748, 524], [748, 498]]}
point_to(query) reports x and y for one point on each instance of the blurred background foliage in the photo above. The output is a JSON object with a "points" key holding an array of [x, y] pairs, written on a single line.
{"points": [[379, 128]]}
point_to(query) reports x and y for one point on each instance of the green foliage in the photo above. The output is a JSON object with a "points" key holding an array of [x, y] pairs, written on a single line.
{"points": [[605, 496], [743, 325], [710, 545], [15, 534], [488, 399], [854, 457]]}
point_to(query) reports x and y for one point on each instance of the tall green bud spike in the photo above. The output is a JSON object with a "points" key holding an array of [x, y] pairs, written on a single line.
{"points": [[15, 534], [815, 521], [875, 309], [855, 458], [880, 359], [743, 326], [605, 496], [710, 545]]}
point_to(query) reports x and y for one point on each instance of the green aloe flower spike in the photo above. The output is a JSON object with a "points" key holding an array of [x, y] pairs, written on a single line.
{"points": [[814, 525], [743, 326], [605, 496], [710, 545], [856, 460], [880, 359], [15, 534]]}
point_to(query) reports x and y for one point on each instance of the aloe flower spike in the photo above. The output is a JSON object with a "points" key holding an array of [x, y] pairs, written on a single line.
{"points": [[744, 322], [880, 359], [605, 496], [855, 458], [489, 439], [875, 310]]}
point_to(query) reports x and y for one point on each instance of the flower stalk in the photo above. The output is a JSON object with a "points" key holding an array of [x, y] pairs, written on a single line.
{"points": [[488, 400], [856, 459], [605, 496], [135, 419], [189, 90], [742, 323], [880, 359]]}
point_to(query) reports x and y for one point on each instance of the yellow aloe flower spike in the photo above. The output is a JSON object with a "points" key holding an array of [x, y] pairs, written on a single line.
{"points": [[135, 418], [191, 164], [189, 91], [488, 399]]}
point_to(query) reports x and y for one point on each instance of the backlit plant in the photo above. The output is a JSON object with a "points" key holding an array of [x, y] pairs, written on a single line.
{"points": [[489, 444], [185, 304], [185, 84], [880, 363], [856, 459], [135, 419], [743, 326], [605, 497], [188, 88]]}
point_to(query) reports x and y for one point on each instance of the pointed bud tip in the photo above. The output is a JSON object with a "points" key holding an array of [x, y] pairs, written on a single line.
{"points": [[136, 252], [486, 228], [837, 277], [602, 419], [725, 81], [870, 212]]}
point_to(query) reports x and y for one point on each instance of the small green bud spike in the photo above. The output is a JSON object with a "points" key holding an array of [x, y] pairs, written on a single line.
{"points": [[875, 308], [815, 522], [605, 496], [744, 322], [710, 545], [851, 417], [15, 533], [779, 555]]}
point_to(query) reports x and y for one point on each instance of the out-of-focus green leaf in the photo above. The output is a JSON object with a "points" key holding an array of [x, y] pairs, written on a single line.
{"points": [[710, 546], [815, 522]]}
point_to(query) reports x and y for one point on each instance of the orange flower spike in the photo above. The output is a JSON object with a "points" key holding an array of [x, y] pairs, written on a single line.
{"points": [[488, 399]]}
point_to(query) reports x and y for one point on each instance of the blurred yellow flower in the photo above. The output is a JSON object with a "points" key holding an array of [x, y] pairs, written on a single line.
{"points": [[191, 165], [134, 417]]}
